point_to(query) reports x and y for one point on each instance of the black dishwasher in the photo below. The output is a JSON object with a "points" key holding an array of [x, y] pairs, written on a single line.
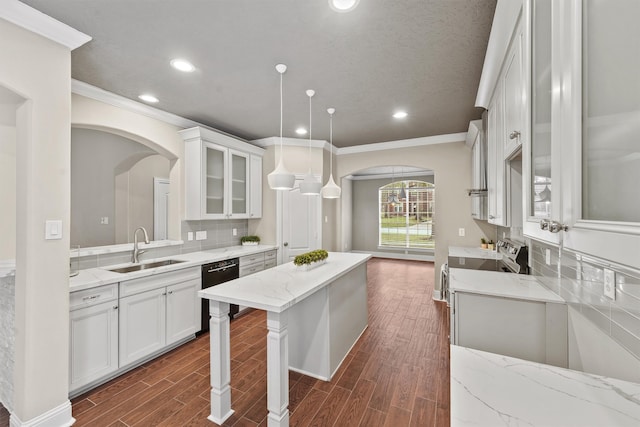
{"points": [[214, 274]]}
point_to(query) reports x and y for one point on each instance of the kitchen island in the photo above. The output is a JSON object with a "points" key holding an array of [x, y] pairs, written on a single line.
{"points": [[313, 319]]}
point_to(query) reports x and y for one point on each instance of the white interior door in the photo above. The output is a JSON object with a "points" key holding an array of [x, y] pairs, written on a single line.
{"points": [[301, 223], [160, 208]]}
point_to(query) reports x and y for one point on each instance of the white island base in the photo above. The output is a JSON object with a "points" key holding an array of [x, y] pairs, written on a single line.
{"points": [[313, 319]]}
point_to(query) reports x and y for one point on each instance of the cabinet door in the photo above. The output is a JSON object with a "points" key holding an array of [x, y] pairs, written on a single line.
{"points": [[495, 160], [603, 154], [255, 190], [142, 325], [214, 188], [514, 96], [93, 343], [238, 184], [183, 310], [540, 157]]}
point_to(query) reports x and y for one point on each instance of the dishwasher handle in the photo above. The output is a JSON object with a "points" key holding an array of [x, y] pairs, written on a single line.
{"points": [[226, 267]]}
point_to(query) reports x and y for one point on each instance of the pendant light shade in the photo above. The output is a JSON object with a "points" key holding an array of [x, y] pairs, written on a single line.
{"points": [[281, 178], [309, 185], [331, 190]]}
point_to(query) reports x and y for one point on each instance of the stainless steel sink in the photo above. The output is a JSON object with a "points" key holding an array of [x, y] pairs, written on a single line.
{"points": [[144, 266]]}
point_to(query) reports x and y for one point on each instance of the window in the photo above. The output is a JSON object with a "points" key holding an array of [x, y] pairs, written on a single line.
{"points": [[406, 215]]}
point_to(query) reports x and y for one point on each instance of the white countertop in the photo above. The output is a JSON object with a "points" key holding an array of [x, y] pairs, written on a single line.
{"points": [[500, 284], [493, 390], [7, 267], [280, 287], [93, 277], [473, 252]]}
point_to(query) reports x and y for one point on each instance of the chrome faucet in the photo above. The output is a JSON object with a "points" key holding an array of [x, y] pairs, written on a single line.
{"points": [[137, 252]]}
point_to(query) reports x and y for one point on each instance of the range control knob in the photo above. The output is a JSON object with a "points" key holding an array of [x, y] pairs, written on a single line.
{"points": [[513, 250]]}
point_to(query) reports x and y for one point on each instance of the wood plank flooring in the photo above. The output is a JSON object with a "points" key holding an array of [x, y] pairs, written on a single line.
{"points": [[396, 375]]}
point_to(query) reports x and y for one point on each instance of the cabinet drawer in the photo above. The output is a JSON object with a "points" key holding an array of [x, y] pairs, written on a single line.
{"points": [[250, 269], [271, 255], [251, 259], [270, 263], [135, 286], [90, 297]]}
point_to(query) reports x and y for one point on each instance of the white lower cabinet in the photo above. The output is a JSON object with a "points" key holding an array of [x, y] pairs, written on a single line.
{"points": [[142, 325], [158, 311], [93, 340]]}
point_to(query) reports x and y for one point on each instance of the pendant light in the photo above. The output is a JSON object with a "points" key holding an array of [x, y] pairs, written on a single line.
{"points": [[310, 186], [403, 194], [281, 178], [331, 190]]}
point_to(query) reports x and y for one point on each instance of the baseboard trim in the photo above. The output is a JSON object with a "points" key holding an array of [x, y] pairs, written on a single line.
{"points": [[391, 255], [437, 295], [59, 416]]}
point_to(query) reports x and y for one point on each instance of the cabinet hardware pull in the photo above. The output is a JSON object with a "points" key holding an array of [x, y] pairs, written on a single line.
{"points": [[115, 307], [492, 217], [170, 292], [164, 294], [556, 227], [515, 134]]}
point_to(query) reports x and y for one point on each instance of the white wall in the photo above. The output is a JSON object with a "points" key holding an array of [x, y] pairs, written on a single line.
{"points": [[160, 136], [8, 186], [451, 163], [39, 70]]}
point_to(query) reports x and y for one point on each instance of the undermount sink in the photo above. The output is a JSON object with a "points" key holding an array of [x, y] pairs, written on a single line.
{"points": [[144, 266]]}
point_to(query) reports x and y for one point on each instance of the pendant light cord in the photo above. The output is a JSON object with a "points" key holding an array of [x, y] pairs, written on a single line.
{"points": [[331, 143], [310, 134], [281, 117]]}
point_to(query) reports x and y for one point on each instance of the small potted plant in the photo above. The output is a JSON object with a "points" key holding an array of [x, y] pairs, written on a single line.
{"points": [[490, 245], [311, 259], [483, 243], [249, 240]]}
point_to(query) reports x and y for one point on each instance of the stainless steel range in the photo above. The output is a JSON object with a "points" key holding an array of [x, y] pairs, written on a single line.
{"points": [[509, 257], [515, 257]]}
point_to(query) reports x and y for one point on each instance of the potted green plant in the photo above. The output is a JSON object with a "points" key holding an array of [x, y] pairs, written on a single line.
{"points": [[249, 240], [311, 259], [483, 243]]}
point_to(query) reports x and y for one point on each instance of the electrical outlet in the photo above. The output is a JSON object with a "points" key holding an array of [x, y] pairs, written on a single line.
{"points": [[461, 232], [190, 235], [104, 220], [610, 283], [234, 231], [326, 219], [547, 256], [461, 261], [201, 235]]}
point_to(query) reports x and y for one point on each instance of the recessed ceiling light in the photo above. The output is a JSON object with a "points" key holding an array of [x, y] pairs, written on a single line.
{"points": [[301, 131], [182, 65], [148, 98], [343, 5], [400, 114]]}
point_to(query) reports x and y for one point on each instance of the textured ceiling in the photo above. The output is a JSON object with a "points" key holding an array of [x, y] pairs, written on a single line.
{"points": [[424, 56]]}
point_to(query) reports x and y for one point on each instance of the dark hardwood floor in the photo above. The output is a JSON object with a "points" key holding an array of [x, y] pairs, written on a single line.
{"points": [[397, 374]]}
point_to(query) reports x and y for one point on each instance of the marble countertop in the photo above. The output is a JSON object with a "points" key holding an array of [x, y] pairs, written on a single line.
{"points": [[280, 287], [473, 252], [100, 276], [500, 284], [493, 390], [7, 267]]}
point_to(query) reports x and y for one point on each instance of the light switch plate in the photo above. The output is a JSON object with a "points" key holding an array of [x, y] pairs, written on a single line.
{"points": [[610, 284], [547, 256], [234, 231], [189, 235], [201, 235], [104, 220], [461, 232], [53, 229]]}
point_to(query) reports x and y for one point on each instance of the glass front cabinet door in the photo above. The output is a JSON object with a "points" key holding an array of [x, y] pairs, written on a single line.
{"points": [[239, 184], [214, 183]]}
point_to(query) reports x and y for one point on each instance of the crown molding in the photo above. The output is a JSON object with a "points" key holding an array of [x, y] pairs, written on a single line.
{"points": [[475, 126], [404, 143], [37, 22], [93, 92]]}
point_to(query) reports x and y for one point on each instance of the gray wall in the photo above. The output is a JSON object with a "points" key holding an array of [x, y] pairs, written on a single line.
{"points": [[365, 212], [96, 159]]}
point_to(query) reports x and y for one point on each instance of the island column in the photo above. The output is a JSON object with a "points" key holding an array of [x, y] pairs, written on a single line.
{"points": [[220, 362], [278, 369]]}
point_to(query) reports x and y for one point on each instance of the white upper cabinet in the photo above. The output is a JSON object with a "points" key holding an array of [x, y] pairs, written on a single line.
{"points": [[515, 96], [223, 176], [600, 128], [495, 161]]}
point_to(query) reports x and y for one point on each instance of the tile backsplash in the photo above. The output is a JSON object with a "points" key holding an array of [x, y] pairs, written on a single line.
{"points": [[219, 235], [584, 291]]}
